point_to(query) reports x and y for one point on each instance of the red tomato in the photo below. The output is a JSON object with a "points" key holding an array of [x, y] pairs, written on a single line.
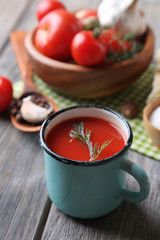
{"points": [[87, 50], [47, 6], [126, 46], [54, 34], [6, 93], [84, 13], [87, 17], [112, 40]]}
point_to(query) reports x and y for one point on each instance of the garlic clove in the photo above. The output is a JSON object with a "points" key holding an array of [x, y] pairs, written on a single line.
{"points": [[33, 113], [125, 15], [110, 10], [133, 20]]}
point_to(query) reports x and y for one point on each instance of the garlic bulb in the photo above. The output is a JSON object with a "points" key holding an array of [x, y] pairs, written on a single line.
{"points": [[110, 10], [124, 15], [132, 20], [33, 113]]}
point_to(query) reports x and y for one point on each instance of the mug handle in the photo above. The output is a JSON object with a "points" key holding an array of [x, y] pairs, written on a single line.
{"points": [[141, 177]]}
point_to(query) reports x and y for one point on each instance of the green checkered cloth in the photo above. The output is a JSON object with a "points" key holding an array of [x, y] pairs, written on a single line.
{"points": [[137, 92]]}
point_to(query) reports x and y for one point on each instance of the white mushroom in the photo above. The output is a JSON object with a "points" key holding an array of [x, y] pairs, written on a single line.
{"points": [[33, 113], [124, 15]]}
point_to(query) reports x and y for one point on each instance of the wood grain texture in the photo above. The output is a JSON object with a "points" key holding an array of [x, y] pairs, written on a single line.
{"points": [[24, 203], [23, 192], [11, 14]]}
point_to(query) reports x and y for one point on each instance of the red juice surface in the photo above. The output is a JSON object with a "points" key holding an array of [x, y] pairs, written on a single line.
{"points": [[59, 141]]}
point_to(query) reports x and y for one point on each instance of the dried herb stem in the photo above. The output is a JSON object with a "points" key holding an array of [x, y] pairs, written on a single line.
{"points": [[84, 135]]}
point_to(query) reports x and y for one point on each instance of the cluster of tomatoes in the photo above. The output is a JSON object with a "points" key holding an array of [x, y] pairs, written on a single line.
{"points": [[61, 35]]}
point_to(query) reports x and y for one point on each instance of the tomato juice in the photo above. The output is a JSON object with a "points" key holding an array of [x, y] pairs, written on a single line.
{"points": [[60, 142]]}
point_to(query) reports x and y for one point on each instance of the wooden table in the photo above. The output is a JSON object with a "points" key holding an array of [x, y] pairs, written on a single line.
{"points": [[25, 210]]}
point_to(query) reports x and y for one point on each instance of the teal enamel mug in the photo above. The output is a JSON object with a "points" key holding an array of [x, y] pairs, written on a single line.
{"points": [[94, 188]]}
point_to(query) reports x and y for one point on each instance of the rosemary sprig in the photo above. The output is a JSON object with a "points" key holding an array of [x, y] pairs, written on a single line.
{"points": [[83, 135]]}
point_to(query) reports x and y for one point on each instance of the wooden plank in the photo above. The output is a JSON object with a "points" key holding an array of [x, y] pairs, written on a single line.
{"points": [[24, 19], [23, 195], [129, 221], [22, 181], [22, 184], [11, 13]]}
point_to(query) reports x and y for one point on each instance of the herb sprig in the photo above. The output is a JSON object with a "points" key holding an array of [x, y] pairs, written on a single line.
{"points": [[84, 135]]}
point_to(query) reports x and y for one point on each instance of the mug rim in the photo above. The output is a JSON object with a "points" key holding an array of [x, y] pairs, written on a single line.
{"points": [[84, 163]]}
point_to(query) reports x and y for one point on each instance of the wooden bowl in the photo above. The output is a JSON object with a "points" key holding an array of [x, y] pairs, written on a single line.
{"points": [[153, 132], [89, 82]]}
